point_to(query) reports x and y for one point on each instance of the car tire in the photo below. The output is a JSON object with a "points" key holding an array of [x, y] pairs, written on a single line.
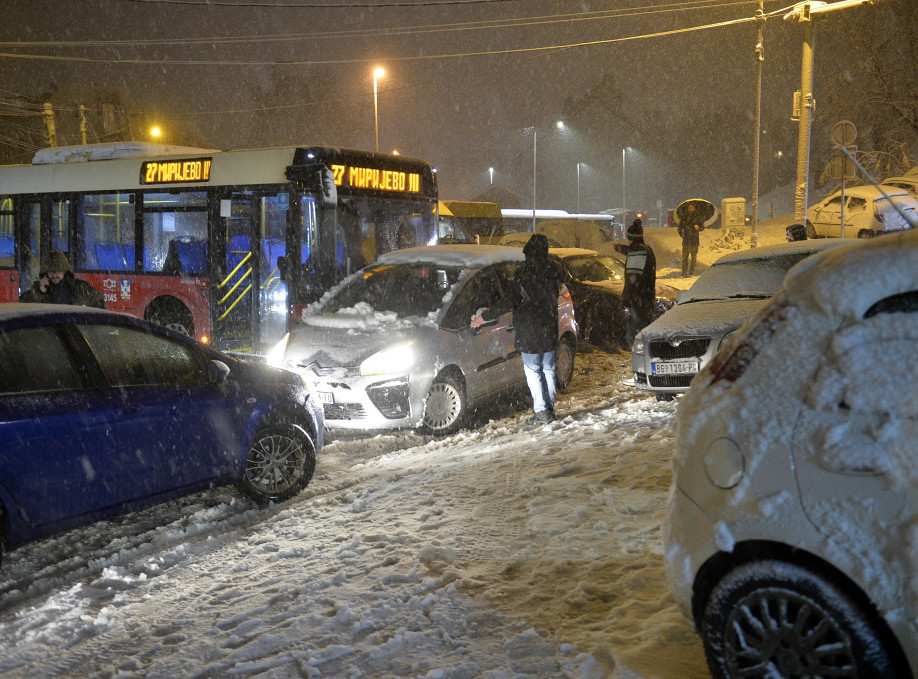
{"points": [[564, 361], [444, 407], [666, 397], [810, 230], [279, 464], [772, 618], [866, 233]]}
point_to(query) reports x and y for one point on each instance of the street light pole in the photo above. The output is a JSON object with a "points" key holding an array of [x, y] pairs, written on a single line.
{"points": [[534, 144], [578, 188], [377, 74], [624, 226]]}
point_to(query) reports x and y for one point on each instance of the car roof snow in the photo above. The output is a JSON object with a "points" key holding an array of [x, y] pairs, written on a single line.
{"points": [[465, 256]]}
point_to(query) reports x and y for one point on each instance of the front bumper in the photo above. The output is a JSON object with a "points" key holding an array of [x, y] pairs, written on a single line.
{"points": [[372, 402]]}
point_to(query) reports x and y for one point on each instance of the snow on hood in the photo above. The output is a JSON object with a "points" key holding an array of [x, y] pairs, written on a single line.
{"points": [[338, 345], [844, 281], [464, 256], [714, 318]]}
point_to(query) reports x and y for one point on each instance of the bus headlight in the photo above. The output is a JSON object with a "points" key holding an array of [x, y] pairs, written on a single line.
{"points": [[399, 358]]}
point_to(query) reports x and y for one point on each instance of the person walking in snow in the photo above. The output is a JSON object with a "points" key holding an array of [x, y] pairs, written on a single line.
{"points": [[689, 227], [533, 297], [640, 282]]}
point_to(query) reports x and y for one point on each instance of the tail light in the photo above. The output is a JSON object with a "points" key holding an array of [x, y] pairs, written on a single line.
{"points": [[732, 362]]}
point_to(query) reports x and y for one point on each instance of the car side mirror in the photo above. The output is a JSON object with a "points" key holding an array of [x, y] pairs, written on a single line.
{"points": [[217, 371]]}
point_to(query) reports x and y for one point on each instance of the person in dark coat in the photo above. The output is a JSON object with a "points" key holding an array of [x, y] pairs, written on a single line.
{"points": [[533, 297], [640, 282], [56, 284], [795, 232], [689, 227]]}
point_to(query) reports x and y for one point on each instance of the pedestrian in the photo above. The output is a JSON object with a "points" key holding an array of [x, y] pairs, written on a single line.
{"points": [[795, 232], [689, 227], [533, 297], [56, 284], [640, 282]]}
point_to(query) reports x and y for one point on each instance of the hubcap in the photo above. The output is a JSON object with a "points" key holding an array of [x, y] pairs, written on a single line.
{"points": [[443, 406], [779, 630]]}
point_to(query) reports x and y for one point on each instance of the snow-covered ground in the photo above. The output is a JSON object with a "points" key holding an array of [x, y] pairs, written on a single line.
{"points": [[504, 551]]}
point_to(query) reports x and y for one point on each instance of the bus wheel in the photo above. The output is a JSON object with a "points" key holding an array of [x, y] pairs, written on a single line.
{"points": [[171, 313]]}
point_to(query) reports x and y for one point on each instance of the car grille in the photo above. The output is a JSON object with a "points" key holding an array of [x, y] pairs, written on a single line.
{"points": [[391, 398], [670, 380], [687, 348], [344, 411]]}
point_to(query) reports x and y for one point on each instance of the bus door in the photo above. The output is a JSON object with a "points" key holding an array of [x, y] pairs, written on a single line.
{"points": [[36, 242], [9, 272], [236, 287]]}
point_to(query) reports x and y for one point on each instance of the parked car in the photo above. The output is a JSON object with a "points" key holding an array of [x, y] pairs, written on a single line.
{"points": [[393, 347], [867, 211], [667, 354], [907, 182], [596, 287], [790, 535], [103, 413]]}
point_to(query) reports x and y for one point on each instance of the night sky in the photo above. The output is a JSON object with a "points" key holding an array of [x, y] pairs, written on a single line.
{"points": [[237, 74]]}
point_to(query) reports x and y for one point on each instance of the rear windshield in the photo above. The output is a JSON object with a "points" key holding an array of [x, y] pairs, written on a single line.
{"points": [[405, 289]]}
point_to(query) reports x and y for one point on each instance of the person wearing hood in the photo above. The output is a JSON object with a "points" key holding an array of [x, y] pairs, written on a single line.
{"points": [[533, 297], [56, 284], [640, 282]]}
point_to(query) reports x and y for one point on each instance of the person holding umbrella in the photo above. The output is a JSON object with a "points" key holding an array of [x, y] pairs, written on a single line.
{"points": [[692, 215]]}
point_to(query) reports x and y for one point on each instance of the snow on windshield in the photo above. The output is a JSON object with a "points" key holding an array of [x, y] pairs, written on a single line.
{"points": [[595, 269], [405, 290], [752, 278], [461, 256]]}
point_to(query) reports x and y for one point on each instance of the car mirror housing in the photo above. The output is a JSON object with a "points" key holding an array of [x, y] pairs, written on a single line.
{"points": [[217, 371]]}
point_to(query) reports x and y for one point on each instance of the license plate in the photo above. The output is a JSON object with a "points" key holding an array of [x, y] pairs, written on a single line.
{"points": [[683, 368], [326, 397]]}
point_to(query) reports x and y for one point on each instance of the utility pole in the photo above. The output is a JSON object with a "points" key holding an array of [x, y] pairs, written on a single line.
{"points": [[760, 57], [83, 124], [49, 125], [807, 104]]}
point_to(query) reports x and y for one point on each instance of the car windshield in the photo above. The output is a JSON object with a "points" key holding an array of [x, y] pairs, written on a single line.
{"points": [[755, 278], [414, 289], [595, 269]]}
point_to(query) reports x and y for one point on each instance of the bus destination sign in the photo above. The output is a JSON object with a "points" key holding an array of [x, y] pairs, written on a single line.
{"points": [[175, 171], [377, 179]]}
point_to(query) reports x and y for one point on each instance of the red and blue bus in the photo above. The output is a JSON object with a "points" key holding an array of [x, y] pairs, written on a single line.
{"points": [[225, 246]]}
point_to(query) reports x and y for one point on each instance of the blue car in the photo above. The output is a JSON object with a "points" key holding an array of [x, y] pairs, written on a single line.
{"points": [[102, 413]]}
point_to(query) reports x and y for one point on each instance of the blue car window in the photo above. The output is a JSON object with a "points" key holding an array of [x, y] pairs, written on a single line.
{"points": [[35, 360], [130, 357]]}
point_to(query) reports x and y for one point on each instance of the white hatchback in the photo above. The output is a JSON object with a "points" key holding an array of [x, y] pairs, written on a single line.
{"points": [[392, 346], [791, 536], [867, 213]]}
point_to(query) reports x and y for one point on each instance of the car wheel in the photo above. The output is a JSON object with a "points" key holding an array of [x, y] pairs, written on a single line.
{"points": [[666, 397], [866, 233], [810, 230], [444, 407], [171, 313], [775, 619], [564, 361], [279, 464]]}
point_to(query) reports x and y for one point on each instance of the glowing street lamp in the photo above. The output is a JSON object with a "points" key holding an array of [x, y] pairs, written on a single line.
{"points": [[378, 73], [156, 132], [491, 172]]}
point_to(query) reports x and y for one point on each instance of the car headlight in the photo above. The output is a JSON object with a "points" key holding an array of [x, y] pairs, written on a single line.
{"points": [[275, 357], [637, 347], [725, 339], [399, 358]]}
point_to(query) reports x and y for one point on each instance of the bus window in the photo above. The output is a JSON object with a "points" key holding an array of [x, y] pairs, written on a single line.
{"points": [[167, 216], [108, 231]]}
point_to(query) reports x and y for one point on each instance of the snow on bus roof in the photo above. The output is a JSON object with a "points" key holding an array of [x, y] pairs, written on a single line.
{"points": [[111, 151], [465, 256]]}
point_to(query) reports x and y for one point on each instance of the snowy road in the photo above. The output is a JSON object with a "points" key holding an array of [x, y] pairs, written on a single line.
{"points": [[504, 551]]}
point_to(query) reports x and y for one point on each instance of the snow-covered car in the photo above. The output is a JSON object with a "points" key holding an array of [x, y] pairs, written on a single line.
{"points": [[102, 413], [596, 286], [868, 212], [908, 182], [392, 346], [791, 536], [668, 353]]}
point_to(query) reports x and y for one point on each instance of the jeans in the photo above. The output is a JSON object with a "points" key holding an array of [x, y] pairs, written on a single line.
{"points": [[540, 376]]}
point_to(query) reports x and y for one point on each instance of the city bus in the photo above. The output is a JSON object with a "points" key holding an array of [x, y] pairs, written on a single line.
{"points": [[226, 246]]}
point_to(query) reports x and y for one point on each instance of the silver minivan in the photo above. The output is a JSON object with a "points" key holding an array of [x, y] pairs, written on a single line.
{"points": [[392, 346]]}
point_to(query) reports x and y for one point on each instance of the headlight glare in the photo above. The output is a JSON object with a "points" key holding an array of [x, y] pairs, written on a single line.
{"points": [[275, 356], [399, 358]]}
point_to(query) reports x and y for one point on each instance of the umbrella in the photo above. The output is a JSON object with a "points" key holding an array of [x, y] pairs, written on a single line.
{"points": [[705, 209]]}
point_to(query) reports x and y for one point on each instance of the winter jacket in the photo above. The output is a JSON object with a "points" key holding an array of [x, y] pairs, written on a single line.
{"points": [[689, 229], [640, 276], [71, 290], [533, 297]]}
